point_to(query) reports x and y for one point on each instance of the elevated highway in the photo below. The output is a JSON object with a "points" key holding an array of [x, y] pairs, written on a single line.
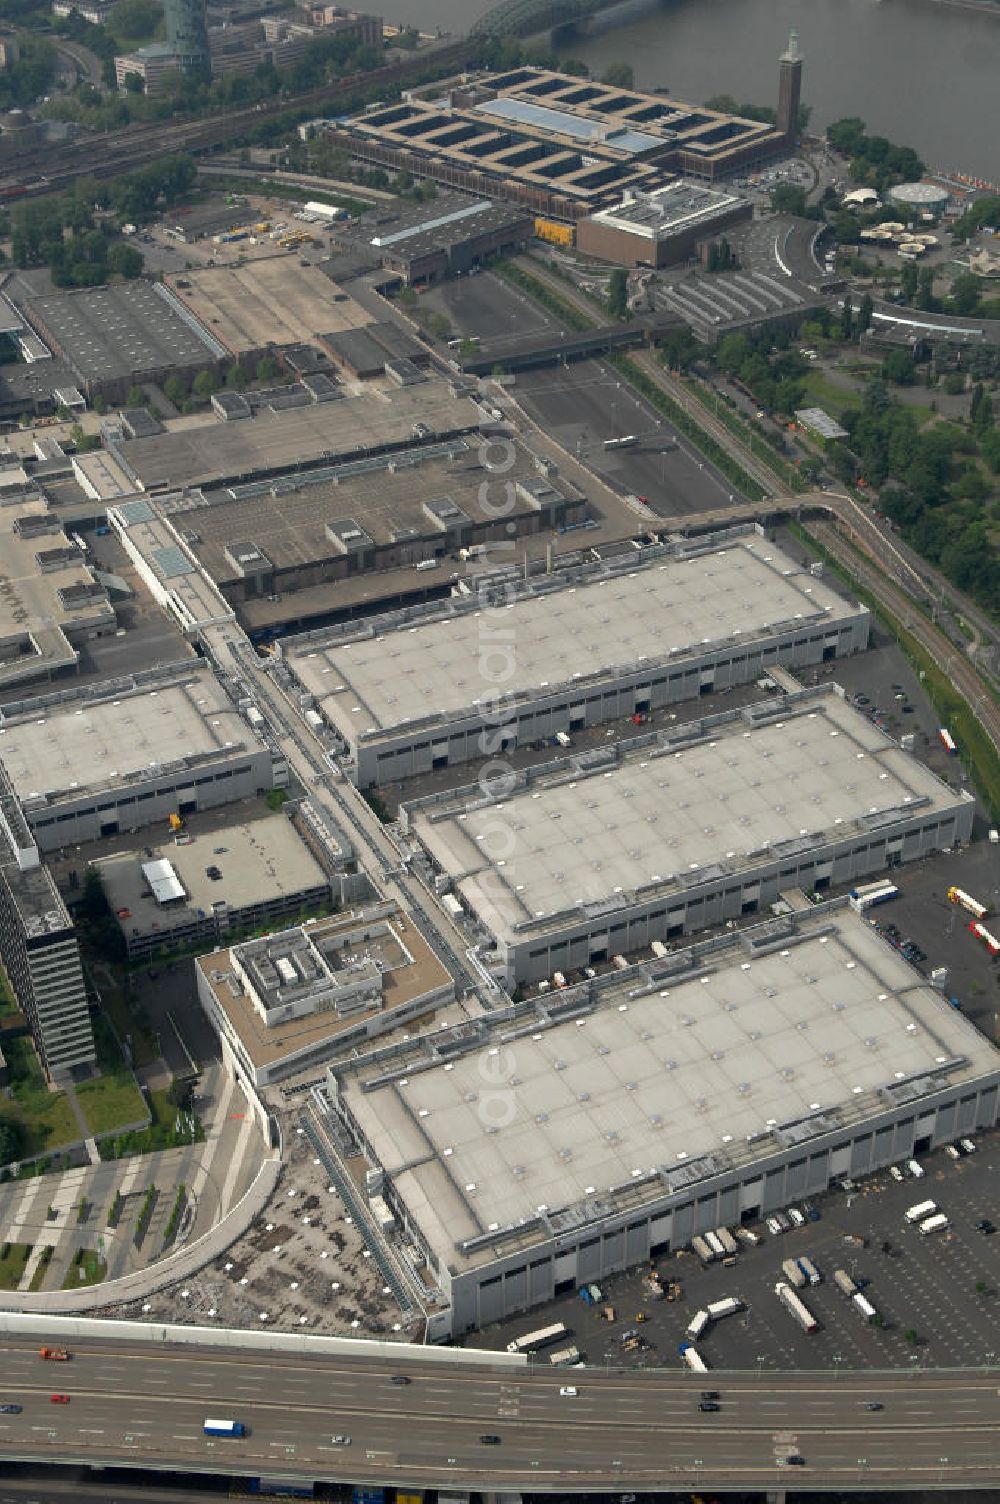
{"points": [[143, 1403]]}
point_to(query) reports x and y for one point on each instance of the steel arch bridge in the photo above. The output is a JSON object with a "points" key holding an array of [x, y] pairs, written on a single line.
{"points": [[518, 18]]}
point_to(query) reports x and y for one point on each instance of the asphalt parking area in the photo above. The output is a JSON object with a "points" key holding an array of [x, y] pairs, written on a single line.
{"points": [[938, 1296]]}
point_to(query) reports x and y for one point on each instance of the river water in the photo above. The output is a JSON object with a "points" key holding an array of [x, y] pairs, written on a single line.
{"points": [[924, 73]]}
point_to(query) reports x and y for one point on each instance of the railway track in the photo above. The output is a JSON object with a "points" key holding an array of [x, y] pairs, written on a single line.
{"points": [[946, 654], [118, 151]]}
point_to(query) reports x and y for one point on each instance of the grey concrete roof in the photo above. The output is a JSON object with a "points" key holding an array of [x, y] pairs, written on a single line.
{"points": [[660, 816], [642, 1084], [379, 682], [263, 860], [217, 452], [41, 611], [85, 744], [109, 332]]}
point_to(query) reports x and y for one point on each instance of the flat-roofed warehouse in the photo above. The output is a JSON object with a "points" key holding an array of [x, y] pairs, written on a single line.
{"points": [[599, 855], [272, 301], [621, 1117], [600, 643], [369, 423], [89, 764], [113, 337], [300, 532], [444, 238]]}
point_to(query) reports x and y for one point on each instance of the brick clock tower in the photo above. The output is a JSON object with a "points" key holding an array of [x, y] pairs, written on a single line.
{"points": [[789, 89]]}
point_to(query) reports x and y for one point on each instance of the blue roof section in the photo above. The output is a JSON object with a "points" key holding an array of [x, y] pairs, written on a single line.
{"points": [[595, 132]]}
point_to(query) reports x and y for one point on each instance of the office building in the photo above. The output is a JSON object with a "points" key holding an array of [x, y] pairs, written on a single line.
{"points": [[660, 228], [294, 999], [39, 950]]}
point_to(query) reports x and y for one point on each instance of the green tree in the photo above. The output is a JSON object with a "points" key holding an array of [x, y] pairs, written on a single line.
{"points": [[11, 1141], [908, 279], [173, 389], [619, 75], [847, 319], [125, 260], [865, 313], [787, 198], [618, 293], [204, 385], [267, 368], [965, 294], [899, 368], [136, 397]]}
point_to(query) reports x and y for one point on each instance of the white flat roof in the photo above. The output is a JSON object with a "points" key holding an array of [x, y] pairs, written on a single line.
{"points": [[406, 672], [660, 816], [66, 749], [641, 1083]]}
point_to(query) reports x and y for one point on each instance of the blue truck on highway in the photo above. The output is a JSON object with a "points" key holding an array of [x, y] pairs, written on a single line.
{"points": [[224, 1428]]}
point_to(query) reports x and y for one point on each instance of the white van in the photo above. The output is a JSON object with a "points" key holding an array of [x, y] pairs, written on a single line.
{"points": [[917, 1171]]}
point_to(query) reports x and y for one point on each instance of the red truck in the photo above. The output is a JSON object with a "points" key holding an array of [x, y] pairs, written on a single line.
{"points": [[57, 1354]]}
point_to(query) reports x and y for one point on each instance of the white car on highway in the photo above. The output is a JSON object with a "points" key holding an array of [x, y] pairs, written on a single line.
{"points": [[569, 1390]]}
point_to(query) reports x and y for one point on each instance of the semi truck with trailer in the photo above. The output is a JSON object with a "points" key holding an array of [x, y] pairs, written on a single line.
{"points": [[795, 1307]]}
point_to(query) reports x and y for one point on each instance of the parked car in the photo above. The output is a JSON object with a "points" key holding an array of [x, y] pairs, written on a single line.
{"points": [[797, 1217]]}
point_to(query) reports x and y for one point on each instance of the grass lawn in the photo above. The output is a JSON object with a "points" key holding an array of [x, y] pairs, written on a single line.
{"points": [[44, 1116], [160, 1134], [12, 1264], [822, 391], [109, 1102], [126, 1024], [87, 1268]]}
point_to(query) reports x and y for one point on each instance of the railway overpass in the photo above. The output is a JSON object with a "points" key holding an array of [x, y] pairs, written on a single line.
{"points": [[139, 1397]]}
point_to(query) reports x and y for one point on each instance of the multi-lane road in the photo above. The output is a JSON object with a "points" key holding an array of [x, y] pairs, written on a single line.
{"points": [[146, 1405]]}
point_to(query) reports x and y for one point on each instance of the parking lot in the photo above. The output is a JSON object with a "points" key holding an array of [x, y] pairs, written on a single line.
{"points": [[937, 1296]]}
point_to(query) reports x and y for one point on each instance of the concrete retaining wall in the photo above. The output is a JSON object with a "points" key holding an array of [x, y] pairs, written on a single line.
{"points": [[63, 1329]]}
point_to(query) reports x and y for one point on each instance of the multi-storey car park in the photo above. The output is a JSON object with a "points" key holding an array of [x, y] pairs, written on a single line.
{"points": [[598, 855], [531, 1151], [88, 763], [431, 687], [39, 949], [563, 145], [257, 872]]}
